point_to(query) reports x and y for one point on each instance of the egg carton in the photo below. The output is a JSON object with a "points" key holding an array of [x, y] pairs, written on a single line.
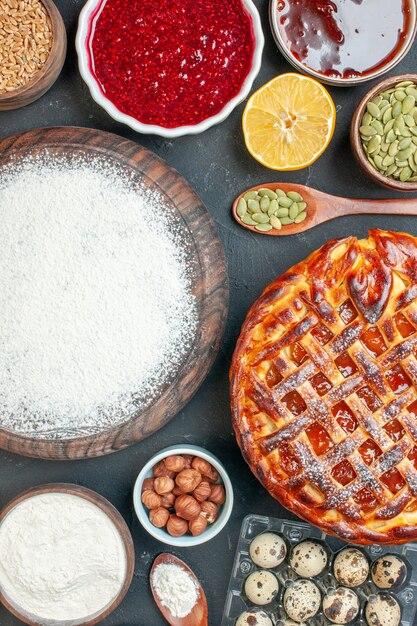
{"points": [[293, 532]]}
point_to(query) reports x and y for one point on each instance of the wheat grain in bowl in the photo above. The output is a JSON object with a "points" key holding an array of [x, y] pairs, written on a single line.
{"points": [[25, 42]]}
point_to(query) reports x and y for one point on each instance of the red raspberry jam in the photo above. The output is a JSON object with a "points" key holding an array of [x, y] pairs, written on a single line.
{"points": [[344, 38], [171, 62]]}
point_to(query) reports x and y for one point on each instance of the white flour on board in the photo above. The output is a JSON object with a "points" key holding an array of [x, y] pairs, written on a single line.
{"points": [[96, 307]]}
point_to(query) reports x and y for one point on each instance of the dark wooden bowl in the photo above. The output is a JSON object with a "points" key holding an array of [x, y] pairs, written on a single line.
{"points": [[114, 516], [47, 75], [209, 285], [355, 138]]}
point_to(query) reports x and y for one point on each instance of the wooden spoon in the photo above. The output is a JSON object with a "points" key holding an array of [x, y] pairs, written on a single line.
{"points": [[322, 207], [199, 614]]}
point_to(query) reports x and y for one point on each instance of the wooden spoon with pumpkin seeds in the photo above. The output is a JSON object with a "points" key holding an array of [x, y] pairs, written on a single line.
{"points": [[319, 207]]}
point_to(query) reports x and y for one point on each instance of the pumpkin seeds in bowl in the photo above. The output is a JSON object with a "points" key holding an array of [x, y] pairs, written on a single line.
{"points": [[268, 209], [389, 132]]}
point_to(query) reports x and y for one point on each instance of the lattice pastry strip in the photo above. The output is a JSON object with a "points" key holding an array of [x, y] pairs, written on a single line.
{"points": [[324, 388]]}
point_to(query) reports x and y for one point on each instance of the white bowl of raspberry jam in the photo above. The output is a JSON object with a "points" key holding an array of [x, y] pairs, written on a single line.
{"points": [[169, 69]]}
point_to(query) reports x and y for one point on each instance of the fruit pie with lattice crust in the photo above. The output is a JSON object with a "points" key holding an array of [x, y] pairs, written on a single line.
{"points": [[324, 388]]}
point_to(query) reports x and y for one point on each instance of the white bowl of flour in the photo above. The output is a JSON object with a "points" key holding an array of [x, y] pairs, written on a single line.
{"points": [[67, 556]]}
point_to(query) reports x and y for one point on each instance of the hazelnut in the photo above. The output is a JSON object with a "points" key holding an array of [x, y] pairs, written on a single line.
{"points": [[187, 507], [177, 526], [198, 525], [188, 480], [174, 463], [188, 458], [159, 517], [163, 485], [148, 485], [151, 499], [202, 492], [210, 511], [201, 465], [213, 477], [177, 491], [218, 494], [160, 469], [168, 500]]}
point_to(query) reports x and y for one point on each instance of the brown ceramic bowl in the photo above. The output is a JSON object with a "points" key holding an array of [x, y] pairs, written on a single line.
{"points": [[356, 142], [47, 75], [118, 521]]}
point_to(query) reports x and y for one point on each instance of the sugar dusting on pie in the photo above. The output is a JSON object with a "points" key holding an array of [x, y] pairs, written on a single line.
{"points": [[323, 388]]}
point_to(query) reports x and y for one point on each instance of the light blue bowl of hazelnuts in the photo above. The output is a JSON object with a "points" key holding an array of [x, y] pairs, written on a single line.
{"points": [[183, 496]]}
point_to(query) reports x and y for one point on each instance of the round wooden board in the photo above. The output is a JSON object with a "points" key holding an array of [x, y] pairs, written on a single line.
{"points": [[210, 285]]}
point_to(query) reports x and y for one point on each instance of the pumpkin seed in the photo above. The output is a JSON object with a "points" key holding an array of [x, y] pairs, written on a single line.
{"points": [[273, 207], [413, 179], [242, 207], [268, 193], [400, 95], [379, 126], [399, 163], [396, 109], [247, 219], [411, 91], [300, 217], [293, 211], [366, 131], [409, 121], [393, 149], [374, 110], [260, 218], [404, 143], [390, 136], [254, 206], [286, 221], [250, 195], [403, 155], [406, 174], [294, 196], [264, 203], [264, 228], [378, 162], [390, 170], [280, 193], [285, 202], [275, 222], [414, 131], [404, 83], [282, 212], [387, 116], [374, 144], [389, 125], [408, 104], [302, 206], [388, 160]]}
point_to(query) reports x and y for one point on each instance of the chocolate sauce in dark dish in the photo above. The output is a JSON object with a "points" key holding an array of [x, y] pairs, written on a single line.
{"points": [[344, 38]]}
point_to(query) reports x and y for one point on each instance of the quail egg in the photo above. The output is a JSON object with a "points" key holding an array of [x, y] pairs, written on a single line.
{"points": [[341, 606], [388, 571], [351, 567], [302, 600], [383, 611], [268, 550], [254, 618], [308, 559], [261, 587]]}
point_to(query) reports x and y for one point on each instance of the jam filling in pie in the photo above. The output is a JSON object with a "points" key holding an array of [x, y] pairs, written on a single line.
{"points": [[324, 388]]}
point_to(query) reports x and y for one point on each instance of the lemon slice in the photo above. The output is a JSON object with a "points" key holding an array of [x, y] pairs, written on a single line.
{"points": [[289, 122]]}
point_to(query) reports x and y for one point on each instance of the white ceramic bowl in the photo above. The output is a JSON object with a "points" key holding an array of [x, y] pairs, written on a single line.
{"points": [[186, 541], [170, 133]]}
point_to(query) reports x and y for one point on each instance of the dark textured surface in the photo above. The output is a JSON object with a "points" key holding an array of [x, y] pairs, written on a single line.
{"points": [[218, 166]]}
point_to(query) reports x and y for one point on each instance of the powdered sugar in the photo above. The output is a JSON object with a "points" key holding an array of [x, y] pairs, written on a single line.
{"points": [[96, 307], [175, 589]]}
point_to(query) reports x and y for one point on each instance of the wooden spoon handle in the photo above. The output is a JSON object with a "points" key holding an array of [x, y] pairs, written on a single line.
{"points": [[353, 206]]}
